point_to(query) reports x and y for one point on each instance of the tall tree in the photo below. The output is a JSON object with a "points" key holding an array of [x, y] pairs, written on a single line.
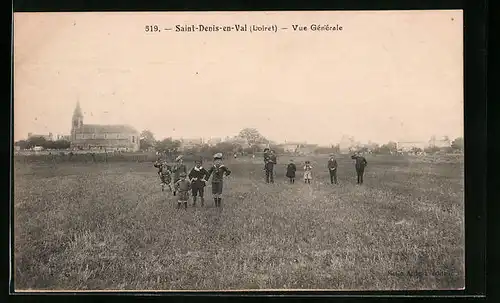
{"points": [[252, 135], [147, 139], [168, 146]]}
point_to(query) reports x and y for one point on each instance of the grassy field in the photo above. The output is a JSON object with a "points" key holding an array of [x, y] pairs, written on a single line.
{"points": [[103, 226]]}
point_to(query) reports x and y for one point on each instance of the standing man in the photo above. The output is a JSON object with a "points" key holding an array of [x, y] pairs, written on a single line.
{"points": [[217, 171], [271, 161], [197, 176], [332, 168], [178, 168], [360, 165]]}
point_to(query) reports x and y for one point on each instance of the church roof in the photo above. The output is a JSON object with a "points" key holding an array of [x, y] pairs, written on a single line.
{"points": [[102, 128]]}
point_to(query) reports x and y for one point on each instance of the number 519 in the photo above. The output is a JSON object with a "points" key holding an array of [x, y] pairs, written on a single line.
{"points": [[151, 28]]}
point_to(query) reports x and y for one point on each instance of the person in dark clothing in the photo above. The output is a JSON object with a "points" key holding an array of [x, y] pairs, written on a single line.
{"points": [[266, 156], [217, 171], [290, 171], [360, 165], [271, 162], [332, 168], [197, 177], [178, 168]]}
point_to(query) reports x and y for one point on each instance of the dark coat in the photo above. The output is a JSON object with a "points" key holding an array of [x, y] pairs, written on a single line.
{"points": [[198, 176], [332, 163], [290, 170], [361, 162]]}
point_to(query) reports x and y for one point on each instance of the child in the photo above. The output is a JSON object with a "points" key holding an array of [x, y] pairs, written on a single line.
{"points": [[218, 170], [164, 171], [332, 168], [179, 168], [290, 171], [182, 186], [308, 172], [197, 177], [165, 176]]}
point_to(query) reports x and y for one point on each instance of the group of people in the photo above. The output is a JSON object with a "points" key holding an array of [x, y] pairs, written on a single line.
{"points": [[197, 178], [270, 161], [195, 181]]}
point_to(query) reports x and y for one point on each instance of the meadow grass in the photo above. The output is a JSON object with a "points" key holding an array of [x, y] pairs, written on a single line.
{"points": [[108, 226]]}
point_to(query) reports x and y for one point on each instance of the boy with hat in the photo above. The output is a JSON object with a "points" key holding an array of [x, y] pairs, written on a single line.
{"points": [[182, 186], [164, 171], [197, 177], [179, 168], [332, 168], [217, 171]]}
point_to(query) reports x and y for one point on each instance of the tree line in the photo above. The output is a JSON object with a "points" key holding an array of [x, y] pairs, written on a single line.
{"points": [[42, 142], [256, 142]]}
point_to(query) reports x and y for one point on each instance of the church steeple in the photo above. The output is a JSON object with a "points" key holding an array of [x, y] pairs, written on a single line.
{"points": [[77, 120], [78, 110]]}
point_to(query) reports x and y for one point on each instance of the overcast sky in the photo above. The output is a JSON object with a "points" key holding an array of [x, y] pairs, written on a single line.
{"points": [[385, 76]]}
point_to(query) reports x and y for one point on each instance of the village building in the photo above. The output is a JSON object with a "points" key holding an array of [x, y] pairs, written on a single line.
{"points": [[63, 137], [214, 141], [106, 137], [187, 144], [441, 142], [406, 146], [292, 147], [347, 144]]}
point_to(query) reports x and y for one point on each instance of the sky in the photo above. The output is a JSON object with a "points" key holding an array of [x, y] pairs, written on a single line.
{"points": [[388, 75]]}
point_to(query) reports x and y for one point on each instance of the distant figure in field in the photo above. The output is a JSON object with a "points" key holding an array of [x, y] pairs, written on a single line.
{"points": [[182, 186], [332, 168], [178, 168], [290, 171], [270, 163], [197, 176], [360, 165], [307, 172], [266, 156], [217, 171]]}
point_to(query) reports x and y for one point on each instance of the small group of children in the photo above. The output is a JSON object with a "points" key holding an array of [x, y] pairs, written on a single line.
{"points": [[292, 169], [196, 181]]}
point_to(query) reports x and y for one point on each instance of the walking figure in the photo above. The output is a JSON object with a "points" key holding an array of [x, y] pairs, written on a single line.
{"points": [[290, 171], [179, 168], [360, 165], [182, 186], [217, 171], [332, 168], [307, 172], [197, 176]]}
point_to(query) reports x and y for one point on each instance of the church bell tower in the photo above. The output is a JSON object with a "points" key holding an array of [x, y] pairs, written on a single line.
{"points": [[77, 121]]}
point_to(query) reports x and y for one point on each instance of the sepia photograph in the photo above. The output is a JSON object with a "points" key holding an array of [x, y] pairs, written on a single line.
{"points": [[238, 151]]}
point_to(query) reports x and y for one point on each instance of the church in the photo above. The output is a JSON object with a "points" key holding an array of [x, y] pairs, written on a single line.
{"points": [[100, 136]]}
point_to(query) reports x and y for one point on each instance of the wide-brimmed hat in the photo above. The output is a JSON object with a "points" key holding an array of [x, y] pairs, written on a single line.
{"points": [[218, 156], [178, 158], [182, 174]]}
